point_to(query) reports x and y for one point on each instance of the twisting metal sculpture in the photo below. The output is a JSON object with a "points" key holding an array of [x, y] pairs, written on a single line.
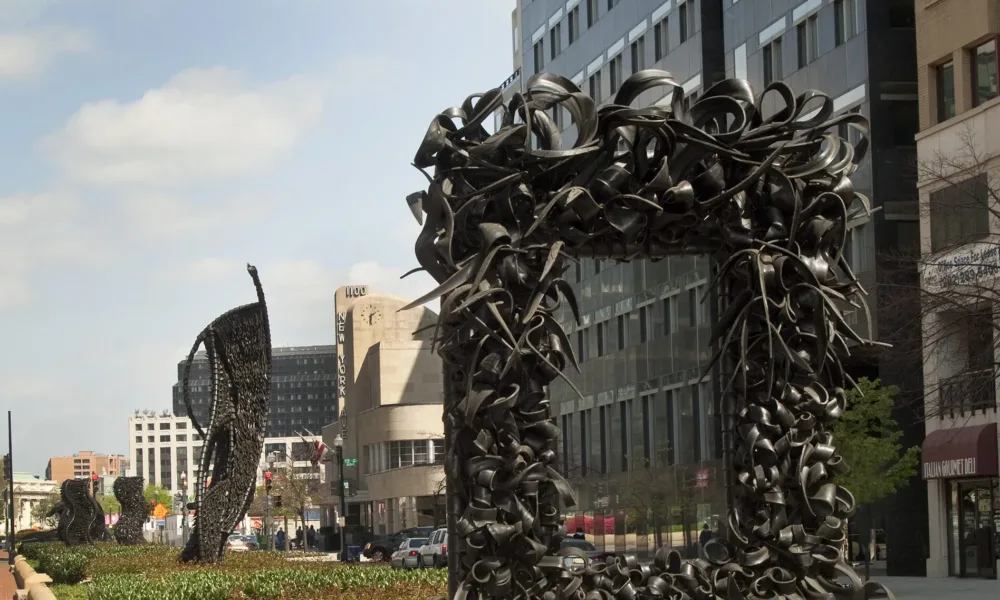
{"points": [[78, 514], [767, 197], [238, 345], [129, 493]]}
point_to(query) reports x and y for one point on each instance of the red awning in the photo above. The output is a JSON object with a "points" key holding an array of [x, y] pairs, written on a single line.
{"points": [[961, 452]]}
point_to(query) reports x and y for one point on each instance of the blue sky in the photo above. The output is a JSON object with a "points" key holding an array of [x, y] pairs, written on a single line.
{"points": [[151, 148]]}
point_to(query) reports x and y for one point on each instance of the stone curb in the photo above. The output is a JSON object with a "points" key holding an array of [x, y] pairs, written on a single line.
{"points": [[34, 582]]}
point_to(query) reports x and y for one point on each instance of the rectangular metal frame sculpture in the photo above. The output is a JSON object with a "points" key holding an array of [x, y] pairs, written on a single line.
{"points": [[768, 197]]}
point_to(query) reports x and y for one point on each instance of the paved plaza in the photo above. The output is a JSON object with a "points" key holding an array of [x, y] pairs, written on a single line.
{"points": [[941, 588]]}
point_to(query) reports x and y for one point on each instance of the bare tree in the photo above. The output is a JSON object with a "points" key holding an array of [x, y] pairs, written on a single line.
{"points": [[947, 313]]}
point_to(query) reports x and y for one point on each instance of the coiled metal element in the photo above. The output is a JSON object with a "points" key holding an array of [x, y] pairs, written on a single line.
{"points": [[238, 345], [504, 215]]}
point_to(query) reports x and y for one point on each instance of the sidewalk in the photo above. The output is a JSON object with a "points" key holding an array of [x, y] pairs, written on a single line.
{"points": [[939, 588], [8, 589]]}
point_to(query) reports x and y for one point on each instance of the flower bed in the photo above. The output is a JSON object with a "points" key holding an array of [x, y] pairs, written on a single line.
{"points": [[154, 573]]}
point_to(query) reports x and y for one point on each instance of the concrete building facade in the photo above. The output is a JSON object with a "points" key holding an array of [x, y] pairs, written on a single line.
{"points": [[30, 491], [165, 448], [303, 397], [390, 390], [647, 420], [83, 465], [958, 149]]}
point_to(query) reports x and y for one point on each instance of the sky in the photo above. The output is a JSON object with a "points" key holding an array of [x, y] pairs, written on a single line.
{"points": [[152, 148]]}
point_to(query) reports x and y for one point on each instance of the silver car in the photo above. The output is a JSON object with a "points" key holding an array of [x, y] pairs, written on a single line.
{"points": [[434, 554], [408, 554]]}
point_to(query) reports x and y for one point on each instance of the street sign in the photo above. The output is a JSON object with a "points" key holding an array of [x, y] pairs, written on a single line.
{"points": [[160, 511], [350, 462], [347, 485], [161, 523]]}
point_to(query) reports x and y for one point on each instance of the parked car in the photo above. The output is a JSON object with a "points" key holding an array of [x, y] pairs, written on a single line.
{"points": [[591, 551], [252, 542], [434, 554], [408, 554], [239, 543], [381, 548]]}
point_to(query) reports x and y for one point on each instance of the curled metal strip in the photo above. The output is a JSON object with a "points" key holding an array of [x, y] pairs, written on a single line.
{"points": [[504, 215], [238, 345], [133, 515]]}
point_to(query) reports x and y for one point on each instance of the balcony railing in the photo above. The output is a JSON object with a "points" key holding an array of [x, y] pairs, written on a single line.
{"points": [[513, 77], [968, 392]]}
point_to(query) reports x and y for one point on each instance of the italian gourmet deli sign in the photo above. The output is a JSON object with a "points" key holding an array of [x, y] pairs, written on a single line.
{"points": [[946, 469]]}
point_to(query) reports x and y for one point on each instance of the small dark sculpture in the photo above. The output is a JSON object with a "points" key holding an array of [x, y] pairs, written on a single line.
{"points": [[78, 514], [129, 493], [768, 197], [238, 345]]}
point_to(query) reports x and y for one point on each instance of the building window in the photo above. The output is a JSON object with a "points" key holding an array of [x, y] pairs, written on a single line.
{"points": [[643, 324], [623, 435], [181, 437], [600, 340], [682, 15], [138, 427], [984, 72], [808, 38], [584, 446], [591, 13], [946, 91], [582, 345], [639, 54], [845, 15], [164, 425], [597, 261], [612, 3], [573, 24], [138, 439], [771, 57], [539, 54], [150, 427], [904, 120], [555, 40], [603, 415], [180, 425], [660, 40], [668, 315], [595, 93], [615, 71], [622, 332], [960, 214]]}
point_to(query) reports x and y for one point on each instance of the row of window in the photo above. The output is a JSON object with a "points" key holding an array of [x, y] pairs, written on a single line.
{"points": [[983, 59], [385, 456], [164, 425], [807, 36], [685, 16], [673, 427], [675, 312]]}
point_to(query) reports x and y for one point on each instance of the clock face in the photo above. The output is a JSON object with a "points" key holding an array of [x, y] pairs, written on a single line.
{"points": [[371, 315]]}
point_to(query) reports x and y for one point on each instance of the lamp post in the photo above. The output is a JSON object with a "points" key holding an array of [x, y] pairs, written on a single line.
{"points": [[272, 457], [184, 509], [338, 444]]}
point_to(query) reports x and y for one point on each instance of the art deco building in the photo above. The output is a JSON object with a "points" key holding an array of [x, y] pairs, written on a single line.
{"points": [[390, 387]]}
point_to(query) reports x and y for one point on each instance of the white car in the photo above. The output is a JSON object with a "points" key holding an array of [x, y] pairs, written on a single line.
{"points": [[237, 543], [434, 554], [408, 554]]}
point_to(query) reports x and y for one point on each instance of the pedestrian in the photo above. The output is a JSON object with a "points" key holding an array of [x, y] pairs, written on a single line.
{"points": [[705, 537], [311, 536], [281, 538], [579, 535], [298, 538]]}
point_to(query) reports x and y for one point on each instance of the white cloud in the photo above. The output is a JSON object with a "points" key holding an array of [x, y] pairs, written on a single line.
{"points": [[40, 230], [159, 215], [27, 53], [203, 123]]}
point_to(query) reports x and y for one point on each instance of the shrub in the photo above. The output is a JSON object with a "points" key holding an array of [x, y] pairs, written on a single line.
{"points": [[66, 567]]}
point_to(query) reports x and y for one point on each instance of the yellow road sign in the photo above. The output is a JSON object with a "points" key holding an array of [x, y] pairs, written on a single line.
{"points": [[160, 512]]}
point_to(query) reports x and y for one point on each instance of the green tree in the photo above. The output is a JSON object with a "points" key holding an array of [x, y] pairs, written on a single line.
{"points": [[109, 504], [40, 510], [160, 494], [869, 440]]}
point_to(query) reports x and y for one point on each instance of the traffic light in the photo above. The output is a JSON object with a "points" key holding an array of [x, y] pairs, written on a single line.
{"points": [[267, 482], [94, 481], [277, 502], [7, 467]]}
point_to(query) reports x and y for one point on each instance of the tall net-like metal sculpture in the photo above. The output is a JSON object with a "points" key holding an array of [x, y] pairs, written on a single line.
{"points": [[238, 345], [99, 527], [133, 514], [503, 217], [78, 514]]}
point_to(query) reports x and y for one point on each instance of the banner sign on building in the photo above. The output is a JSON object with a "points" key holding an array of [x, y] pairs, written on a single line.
{"points": [[969, 264]]}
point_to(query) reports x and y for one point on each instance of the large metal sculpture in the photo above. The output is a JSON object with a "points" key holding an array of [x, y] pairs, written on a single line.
{"points": [[238, 345], [505, 214], [78, 514], [133, 514]]}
